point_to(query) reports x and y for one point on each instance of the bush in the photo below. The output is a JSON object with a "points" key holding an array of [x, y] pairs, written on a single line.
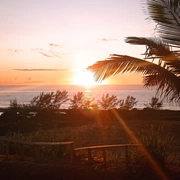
{"points": [[49, 100], [108, 102], [79, 101], [154, 104], [128, 103], [158, 144]]}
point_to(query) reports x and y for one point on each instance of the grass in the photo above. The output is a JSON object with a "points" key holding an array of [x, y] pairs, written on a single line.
{"points": [[158, 134]]}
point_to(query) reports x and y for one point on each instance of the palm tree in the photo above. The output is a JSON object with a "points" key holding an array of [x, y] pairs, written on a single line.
{"points": [[161, 64]]}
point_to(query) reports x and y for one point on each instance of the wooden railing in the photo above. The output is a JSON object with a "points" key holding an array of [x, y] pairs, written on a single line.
{"points": [[9, 140], [103, 148]]}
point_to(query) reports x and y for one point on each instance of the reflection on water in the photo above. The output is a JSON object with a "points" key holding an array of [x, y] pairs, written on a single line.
{"points": [[88, 94]]}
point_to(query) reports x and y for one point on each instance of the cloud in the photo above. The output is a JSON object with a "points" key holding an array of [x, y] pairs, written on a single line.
{"points": [[40, 69], [47, 55], [15, 50], [32, 82], [107, 40], [37, 49], [52, 52], [54, 45]]}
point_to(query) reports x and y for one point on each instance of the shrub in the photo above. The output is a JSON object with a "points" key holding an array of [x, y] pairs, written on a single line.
{"points": [[128, 103], [79, 101], [155, 103], [49, 100], [108, 102], [158, 143]]}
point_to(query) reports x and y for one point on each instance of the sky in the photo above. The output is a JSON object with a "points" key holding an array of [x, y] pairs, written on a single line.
{"points": [[54, 41]]}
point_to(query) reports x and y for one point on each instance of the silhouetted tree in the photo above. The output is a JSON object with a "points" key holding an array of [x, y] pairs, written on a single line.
{"points": [[108, 101], [155, 103], [79, 101], [49, 100], [128, 103]]}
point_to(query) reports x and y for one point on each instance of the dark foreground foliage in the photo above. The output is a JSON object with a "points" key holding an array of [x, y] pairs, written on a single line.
{"points": [[24, 122], [152, 127]]}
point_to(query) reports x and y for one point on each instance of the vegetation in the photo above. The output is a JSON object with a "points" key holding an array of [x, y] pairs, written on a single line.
{"points": [[88, 126], [108, 102], [49, 100], [38, 136], [158, 143], [160, 65], [155, 103], [47, 105], [79, 101], [128, 103], [44, 120], [157, 139]]}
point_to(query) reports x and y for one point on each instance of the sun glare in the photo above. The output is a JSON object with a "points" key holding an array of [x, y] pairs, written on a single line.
{"points": [[84, 78]]}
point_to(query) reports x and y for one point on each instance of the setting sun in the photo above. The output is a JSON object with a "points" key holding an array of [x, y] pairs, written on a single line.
{"points": [[84, 78]]}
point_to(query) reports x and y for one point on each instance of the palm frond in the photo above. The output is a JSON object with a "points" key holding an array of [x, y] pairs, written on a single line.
{"points": [[166, 13], [154, 74], [168, 85], [118, 64], [157, 49]]}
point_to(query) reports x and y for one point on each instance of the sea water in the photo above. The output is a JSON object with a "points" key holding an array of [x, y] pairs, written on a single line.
{"points": [[24, 94]]}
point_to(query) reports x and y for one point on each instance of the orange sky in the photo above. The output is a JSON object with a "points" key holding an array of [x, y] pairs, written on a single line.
{"points": [[52, 41]]}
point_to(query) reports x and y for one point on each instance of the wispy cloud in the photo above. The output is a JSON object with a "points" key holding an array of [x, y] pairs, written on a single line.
{"points": [[15, 50], [54, 45], [37, 49], [45, 54], [53, 51], [40, 69]]}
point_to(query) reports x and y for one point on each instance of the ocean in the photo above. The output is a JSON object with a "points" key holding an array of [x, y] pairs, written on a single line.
{"points": [[25, 93]]}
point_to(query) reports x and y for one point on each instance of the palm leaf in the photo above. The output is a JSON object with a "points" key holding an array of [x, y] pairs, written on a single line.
{"points": [[166, 13], [157, 49], [154, 75], [168, 85]]}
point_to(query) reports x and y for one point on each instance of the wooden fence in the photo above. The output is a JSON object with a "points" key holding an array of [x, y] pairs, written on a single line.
{"points": [[9, 140], [103, 148]]}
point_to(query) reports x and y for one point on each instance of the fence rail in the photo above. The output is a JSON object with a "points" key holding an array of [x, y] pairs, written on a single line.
{"points": [[9, 140], [105, 147], [73, 150]]}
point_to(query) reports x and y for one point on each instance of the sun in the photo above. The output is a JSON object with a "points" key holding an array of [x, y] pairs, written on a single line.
{"points": [[84, 78]]}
